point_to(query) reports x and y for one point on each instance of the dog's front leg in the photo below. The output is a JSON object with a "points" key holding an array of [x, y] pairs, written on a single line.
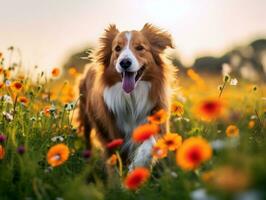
{"points": [[142, 156]]}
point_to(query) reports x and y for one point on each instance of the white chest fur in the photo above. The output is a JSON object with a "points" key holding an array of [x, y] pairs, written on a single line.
{"points": [[130, 110]]}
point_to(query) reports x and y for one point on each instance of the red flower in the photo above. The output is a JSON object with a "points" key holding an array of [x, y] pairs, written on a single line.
{"points": [[115, 143], [136, 178]]}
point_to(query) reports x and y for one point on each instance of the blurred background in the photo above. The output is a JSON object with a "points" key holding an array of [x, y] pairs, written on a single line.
{"points": [[207, 33]]}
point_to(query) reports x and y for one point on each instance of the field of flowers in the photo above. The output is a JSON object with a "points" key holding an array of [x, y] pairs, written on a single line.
{"points": [[216, 148]]}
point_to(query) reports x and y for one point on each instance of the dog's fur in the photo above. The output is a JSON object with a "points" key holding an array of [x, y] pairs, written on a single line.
{"points": [[113, 112]]}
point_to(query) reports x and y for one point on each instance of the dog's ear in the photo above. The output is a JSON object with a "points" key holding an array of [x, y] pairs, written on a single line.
{"points": [[158, 38], [105, 51]]}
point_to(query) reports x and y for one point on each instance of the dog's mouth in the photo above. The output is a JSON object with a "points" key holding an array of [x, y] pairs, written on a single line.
{"points": [[129, 79]]}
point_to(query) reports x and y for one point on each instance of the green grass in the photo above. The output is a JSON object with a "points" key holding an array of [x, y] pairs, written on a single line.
{"points": [[28, 175]]}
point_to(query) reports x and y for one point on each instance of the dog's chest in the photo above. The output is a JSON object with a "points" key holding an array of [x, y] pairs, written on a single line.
{"points": [[130, 110]]}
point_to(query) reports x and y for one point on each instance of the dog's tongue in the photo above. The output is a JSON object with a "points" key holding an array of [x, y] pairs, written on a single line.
{"points": [[128, 82]]}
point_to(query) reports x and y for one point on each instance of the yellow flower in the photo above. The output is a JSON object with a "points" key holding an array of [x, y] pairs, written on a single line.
{"points": [[177, 108], [232, 131], [158, 117], [23, 100], [193, 152], [172, 141], [16, 85], [72, 72], [57, 155], [112, 160], [159, 151], [251, 124]]}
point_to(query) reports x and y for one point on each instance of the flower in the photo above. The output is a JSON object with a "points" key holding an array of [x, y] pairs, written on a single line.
{"points": [[2, 85], [136, 178], [2, 138], [57, 154], [158, 117], [251, 124], [86, 154], [16, 85], [112, 160], [144, 132], [209, 109], [2, 152], [72, 72], [227, 178], [46, 110], [177, 108], [193, 152], [23, 100], [115, 143], [232, 131], [55, 72], [159, 151], [233, 81], [172, 141], [21, 150]]}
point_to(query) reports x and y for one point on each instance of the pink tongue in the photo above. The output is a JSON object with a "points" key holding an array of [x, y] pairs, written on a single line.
{"points": [[128, 82]]}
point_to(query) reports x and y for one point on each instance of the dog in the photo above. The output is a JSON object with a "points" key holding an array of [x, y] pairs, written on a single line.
{"points": [[128, 81]]}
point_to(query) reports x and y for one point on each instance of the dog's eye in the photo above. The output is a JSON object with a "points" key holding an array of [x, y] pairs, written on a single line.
{"points": [[139, 48], [117, 48]]}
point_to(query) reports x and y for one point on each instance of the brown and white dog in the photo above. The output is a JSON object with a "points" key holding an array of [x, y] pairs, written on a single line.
{"points": [[128, 82]]}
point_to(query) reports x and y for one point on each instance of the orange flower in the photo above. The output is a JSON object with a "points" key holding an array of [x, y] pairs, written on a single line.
{"points": [[177, 108], [16, 85], [2, 85], [23, 100], [158, 117], [210, 109], [2, 152], [115, 143], [228, 178], [136, 178], [159, 151], [251, 124], [144, 132], [72, 72], [171, 140], [46, 110], [57, 155], [193, 152], [55, 72], [232, 131], [112, 160], [1, 69]]}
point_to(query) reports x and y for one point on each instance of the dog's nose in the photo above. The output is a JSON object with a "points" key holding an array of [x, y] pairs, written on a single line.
{"points": [[125, 63]]}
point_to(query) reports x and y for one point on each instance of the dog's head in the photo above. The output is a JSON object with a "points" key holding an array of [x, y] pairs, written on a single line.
{"points": [[132, 55]]}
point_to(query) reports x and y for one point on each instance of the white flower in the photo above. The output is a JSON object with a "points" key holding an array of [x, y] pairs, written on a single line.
{"points": [[8, 116], [218, 144], [201, 194], [69, 106], [8, 83], [226, 69], [7, 99], [233, 81], [253, 117], [57, 139]]}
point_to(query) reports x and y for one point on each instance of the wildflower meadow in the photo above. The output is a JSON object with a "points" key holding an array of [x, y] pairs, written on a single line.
{"points": [[215, 148]]}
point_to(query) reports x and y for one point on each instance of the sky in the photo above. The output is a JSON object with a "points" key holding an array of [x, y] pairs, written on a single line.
{"points": [[48, 31]]}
